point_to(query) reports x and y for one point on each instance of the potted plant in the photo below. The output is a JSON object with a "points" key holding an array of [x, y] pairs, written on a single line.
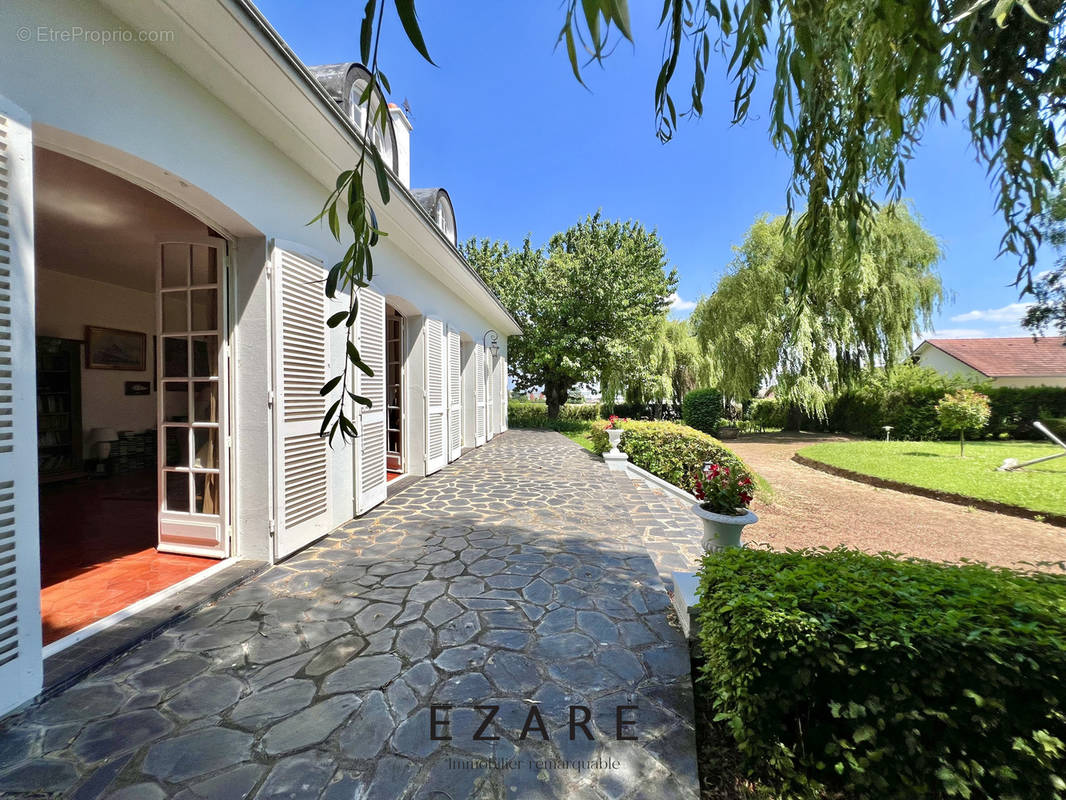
{"points": [[725, 497], [614, 431]]}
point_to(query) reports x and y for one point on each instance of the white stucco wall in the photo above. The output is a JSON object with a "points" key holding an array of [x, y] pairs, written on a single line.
{"points": [[129, 97], [65, 305], [945, 364]]}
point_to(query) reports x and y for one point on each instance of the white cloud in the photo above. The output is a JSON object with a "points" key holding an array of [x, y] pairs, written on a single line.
{"points": [[1010, 313], [677, 305]]}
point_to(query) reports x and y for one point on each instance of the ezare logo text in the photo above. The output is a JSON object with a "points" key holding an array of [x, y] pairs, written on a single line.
{"points": [[624, 722]]}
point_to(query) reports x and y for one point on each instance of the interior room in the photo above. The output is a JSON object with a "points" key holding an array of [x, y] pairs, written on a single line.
{"points": [[394, 387], [97, 254]]}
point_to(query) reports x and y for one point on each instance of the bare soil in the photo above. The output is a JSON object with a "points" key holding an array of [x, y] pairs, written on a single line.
{"points": [[810, 508]]}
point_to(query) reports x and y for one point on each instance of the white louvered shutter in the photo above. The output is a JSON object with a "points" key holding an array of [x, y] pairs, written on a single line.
{"points": [[479, 394], [436, 376], [301, 357], [20, 576], [455, 394], [504, 394], [370, 467], [490, 397]]}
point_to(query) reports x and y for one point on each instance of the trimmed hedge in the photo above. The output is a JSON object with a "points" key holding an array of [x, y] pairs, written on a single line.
{"points": [[701, 409], [844, 674], [535, 415], [669, 451], [907, 400]]}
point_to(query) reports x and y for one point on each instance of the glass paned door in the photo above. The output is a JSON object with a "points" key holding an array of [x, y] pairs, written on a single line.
{"points": [[191, 371]]}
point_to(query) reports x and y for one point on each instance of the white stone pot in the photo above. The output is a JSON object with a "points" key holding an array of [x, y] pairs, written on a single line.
{"points": [[723, 530], [614, 436]]}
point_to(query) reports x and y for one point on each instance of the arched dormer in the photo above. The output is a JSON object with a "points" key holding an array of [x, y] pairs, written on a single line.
{"points": [[438, 205], [346, 83]]}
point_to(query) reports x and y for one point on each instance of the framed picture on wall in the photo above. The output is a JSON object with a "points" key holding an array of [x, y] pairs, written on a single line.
{"points": [[108, 348]]}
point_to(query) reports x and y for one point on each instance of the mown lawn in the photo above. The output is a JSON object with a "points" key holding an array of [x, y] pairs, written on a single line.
{"points": [[936, 465], [581, 437]]}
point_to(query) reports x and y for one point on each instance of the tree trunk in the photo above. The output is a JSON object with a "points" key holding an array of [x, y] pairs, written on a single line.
{"points": [[555, 396], [962, 443], [794, 418]]}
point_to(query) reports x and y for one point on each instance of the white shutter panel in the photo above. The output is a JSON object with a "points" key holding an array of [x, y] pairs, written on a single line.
{"points": [[370, 467], [301, 355], [479, 394], [20, 575], [455, 394], [436, 435], [490, 399], [504, 394]]}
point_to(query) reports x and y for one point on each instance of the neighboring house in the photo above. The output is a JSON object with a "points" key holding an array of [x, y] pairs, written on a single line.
{"points": [[162, 320], [1013, 361]]}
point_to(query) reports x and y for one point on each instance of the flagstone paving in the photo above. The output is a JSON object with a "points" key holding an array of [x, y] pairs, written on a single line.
{"points": [[513, 578]]}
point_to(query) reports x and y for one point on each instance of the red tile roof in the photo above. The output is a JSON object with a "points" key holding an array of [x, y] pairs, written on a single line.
{"points": [[1009, 357]]}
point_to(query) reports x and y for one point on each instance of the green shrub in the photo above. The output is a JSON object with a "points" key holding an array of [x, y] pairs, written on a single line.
{"points": [[851, 675], [669, 451], [906, 399], [535, 415], [767, 412], [701, 409]]}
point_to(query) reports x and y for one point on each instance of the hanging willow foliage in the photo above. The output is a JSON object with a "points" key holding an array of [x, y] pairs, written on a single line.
{"points": [[855, 83], [854, 314], [349, 199]]}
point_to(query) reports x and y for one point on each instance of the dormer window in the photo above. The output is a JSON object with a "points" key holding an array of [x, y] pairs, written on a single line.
{"points": [[438, 206], [442, 215], [385, 141]]}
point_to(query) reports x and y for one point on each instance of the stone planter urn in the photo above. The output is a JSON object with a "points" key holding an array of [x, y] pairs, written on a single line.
{"points": [[614, 436], [723, 530]]}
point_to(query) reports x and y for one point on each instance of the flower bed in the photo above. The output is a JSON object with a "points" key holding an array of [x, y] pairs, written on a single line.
{"points": [[670, 451]]}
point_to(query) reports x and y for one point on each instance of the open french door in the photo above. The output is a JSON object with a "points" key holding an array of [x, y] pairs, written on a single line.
{"points": [[20, 571], [455, 394], [370, 448], [479, 395], [436, 375], [300, 360], [191, 398]]}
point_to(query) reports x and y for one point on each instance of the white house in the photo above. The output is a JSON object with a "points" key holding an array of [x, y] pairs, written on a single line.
{"points": [[1006, 361], [162, 337]]}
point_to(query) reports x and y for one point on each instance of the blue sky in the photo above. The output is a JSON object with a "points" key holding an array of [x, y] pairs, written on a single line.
{"points": [[522, 147]]}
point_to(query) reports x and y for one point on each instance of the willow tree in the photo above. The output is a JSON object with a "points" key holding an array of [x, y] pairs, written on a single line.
{"points": [[855, 313], [670, 363]]}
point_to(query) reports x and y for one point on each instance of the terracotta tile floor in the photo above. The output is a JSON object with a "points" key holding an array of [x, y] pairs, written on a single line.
{"points": [[98, 551], [391, 476]]}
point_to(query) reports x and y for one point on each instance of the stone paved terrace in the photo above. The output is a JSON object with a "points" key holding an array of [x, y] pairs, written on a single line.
{"points": [[513, 577]]}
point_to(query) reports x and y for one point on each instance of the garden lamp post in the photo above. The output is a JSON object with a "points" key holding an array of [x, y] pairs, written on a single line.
{"points": [[888, 432]]}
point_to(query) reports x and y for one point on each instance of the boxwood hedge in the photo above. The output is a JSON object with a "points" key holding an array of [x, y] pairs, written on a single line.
{"points": [[669, 451], [701, 409], [535, 415], [842, 674]]}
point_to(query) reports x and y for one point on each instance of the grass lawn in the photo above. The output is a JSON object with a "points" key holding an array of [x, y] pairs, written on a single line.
{"points": [[581, 437], [936, 465]]}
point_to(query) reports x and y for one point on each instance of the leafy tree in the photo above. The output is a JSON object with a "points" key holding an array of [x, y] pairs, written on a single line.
{"points": [[963, 410], [813, 343], [583, 301], [1049, 310], [671, 362]]}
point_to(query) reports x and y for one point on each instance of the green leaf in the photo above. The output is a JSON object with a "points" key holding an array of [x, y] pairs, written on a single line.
{"points": [[363, 401], [330, 385], [366, 31], [334, 222], [620, 16], [336, 319], [354, 312], [409, 19], [381, 173], [331, 280], [328, 417]]}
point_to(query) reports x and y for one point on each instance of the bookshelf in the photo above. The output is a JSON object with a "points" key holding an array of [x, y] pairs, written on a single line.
{"points": [[59, 444]]}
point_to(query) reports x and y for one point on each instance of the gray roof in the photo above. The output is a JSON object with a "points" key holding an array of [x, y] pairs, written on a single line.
{"points": [[332, 77]]}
